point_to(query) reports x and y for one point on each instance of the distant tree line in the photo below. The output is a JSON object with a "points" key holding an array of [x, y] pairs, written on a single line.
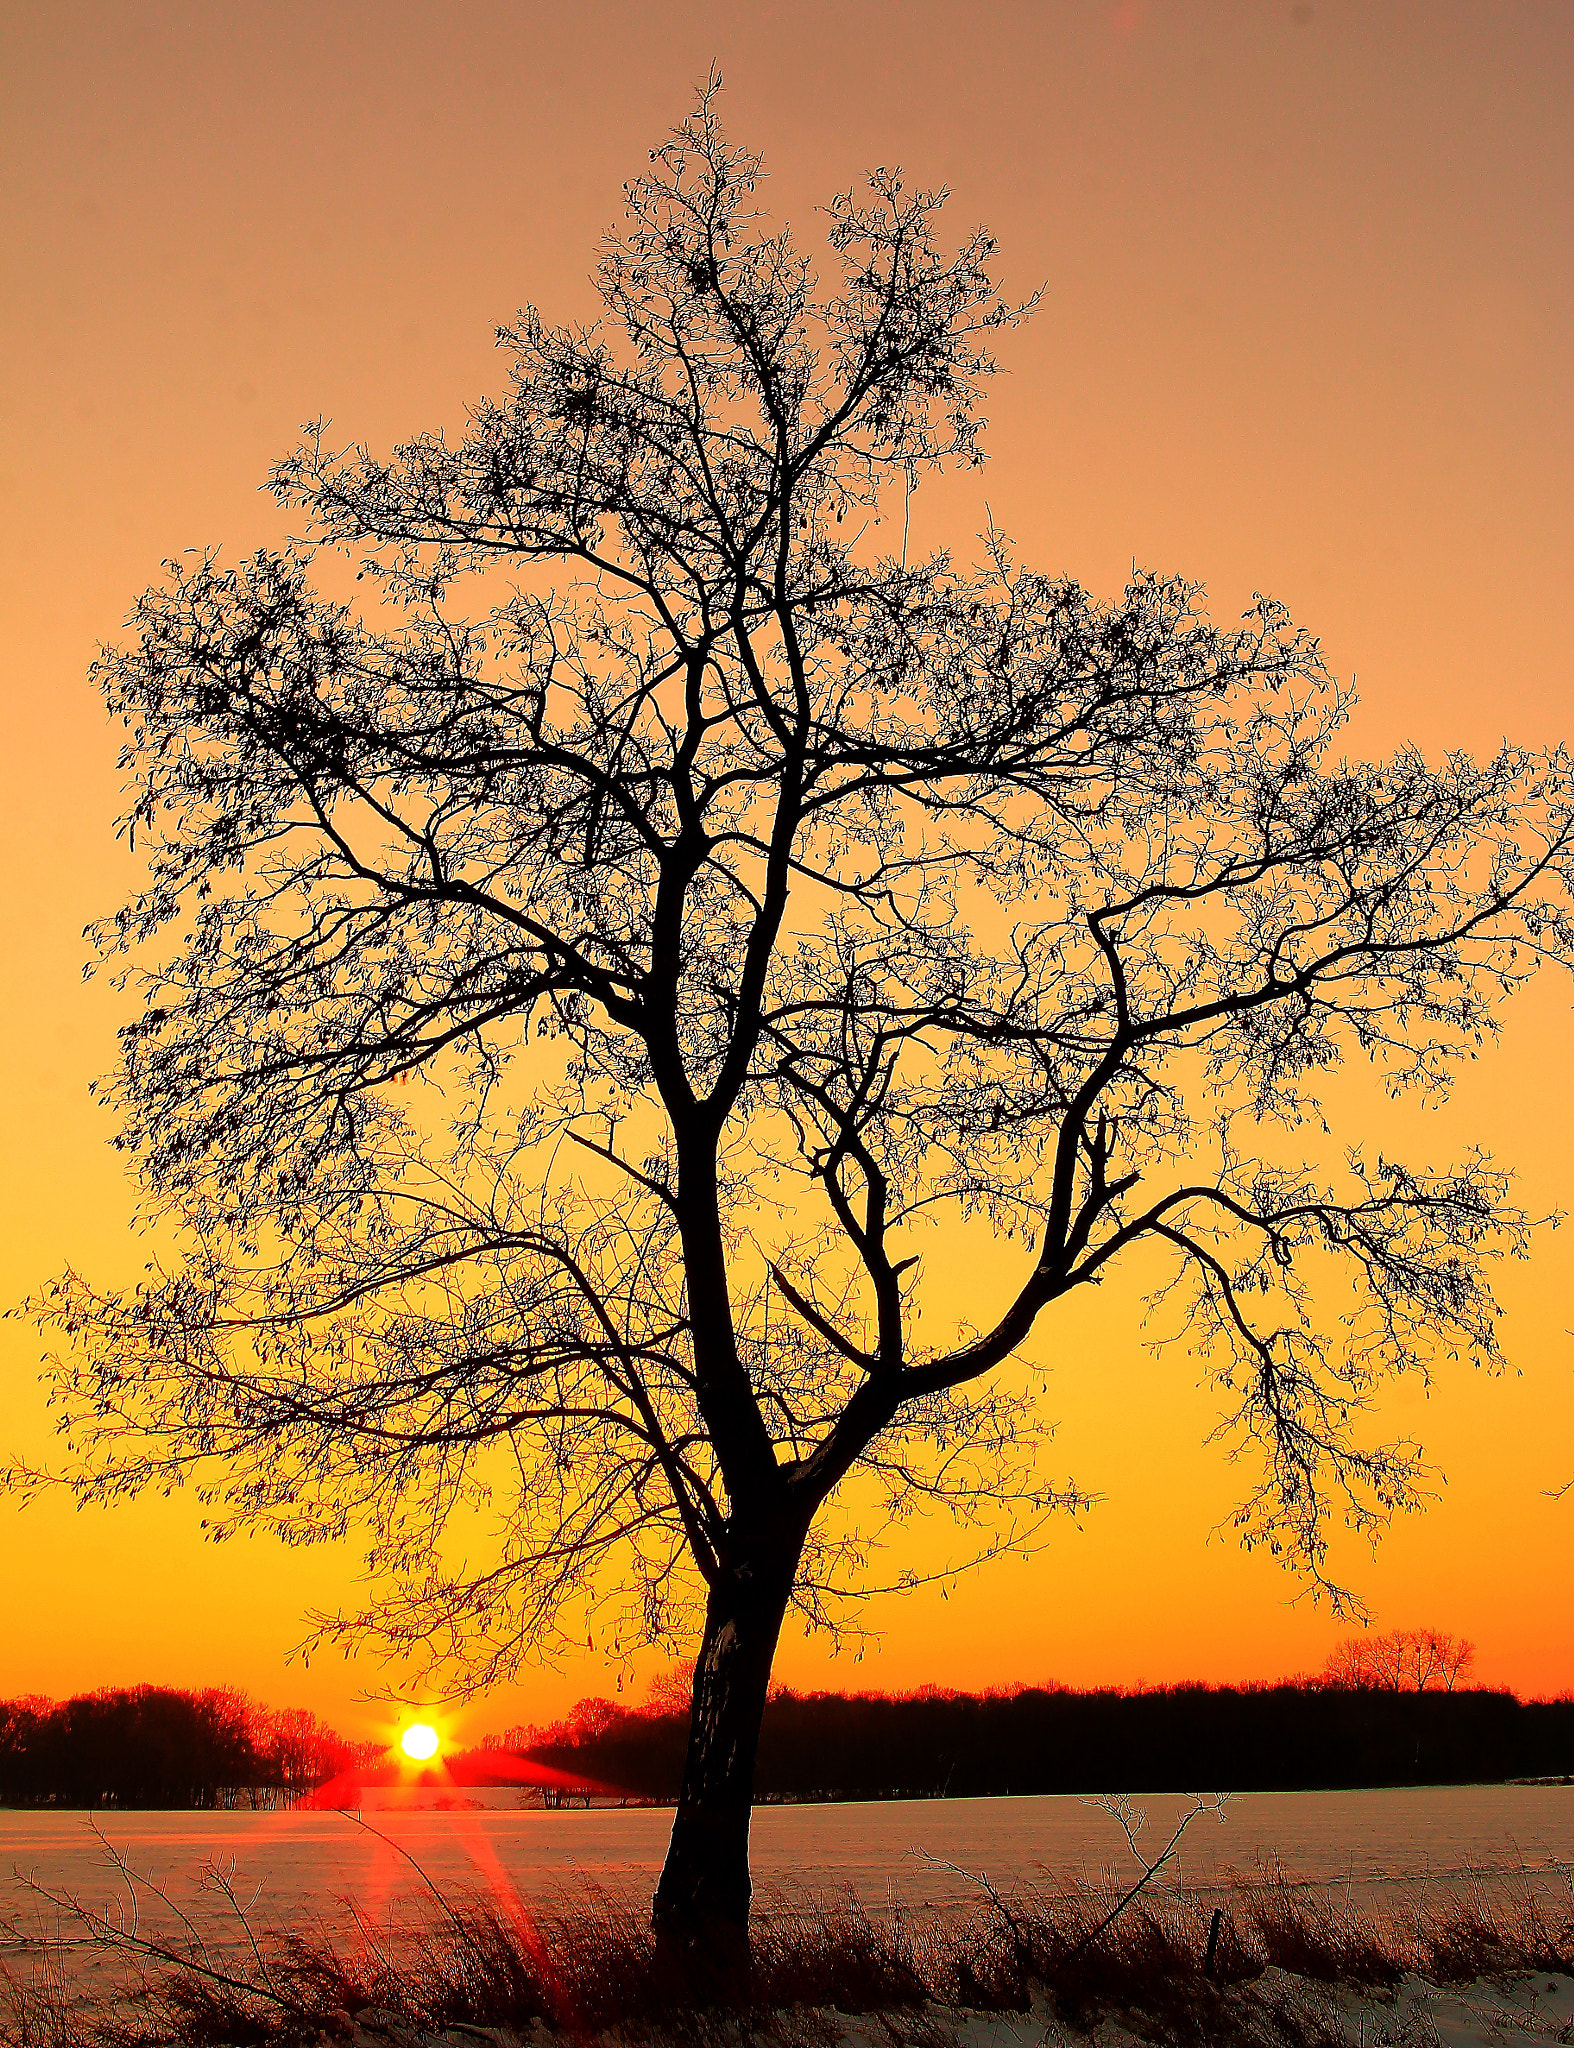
{"points": [[1386, 1710], [149, 1745], [1299, 1735]]}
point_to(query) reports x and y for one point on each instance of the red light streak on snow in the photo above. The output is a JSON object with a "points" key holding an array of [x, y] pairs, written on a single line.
{"points": [[391, 1862]]}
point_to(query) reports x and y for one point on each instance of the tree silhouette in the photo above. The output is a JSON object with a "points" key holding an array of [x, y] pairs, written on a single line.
{"points": [[769, 917], [151, 1746], [1401, 1660]]}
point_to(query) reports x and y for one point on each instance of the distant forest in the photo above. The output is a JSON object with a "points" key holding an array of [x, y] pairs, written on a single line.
{"points": [[153, 1747], [1182, 1738], [150, 1746]]}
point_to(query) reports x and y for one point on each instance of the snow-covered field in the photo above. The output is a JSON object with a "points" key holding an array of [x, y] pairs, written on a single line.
{"points": [[1381, 1844], [1465, 1883]]}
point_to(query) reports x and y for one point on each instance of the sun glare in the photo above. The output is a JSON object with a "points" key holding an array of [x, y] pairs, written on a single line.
{"points": [[419, 1742]]}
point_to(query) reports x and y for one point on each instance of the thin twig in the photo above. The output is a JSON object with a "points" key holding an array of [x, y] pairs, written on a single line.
{"points": [[102, 1933], [399, 1849], [1121, 1812], [226, 1884], [1199, 1805]]}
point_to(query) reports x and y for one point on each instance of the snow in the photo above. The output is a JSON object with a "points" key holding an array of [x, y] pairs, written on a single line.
{"points": [[1522, 2012]]}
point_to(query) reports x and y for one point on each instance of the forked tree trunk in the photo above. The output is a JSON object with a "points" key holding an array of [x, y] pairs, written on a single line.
{"points": [[705, 1886]]}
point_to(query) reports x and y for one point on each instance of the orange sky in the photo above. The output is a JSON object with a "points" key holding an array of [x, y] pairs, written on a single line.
{"points": [[1306, 331]]}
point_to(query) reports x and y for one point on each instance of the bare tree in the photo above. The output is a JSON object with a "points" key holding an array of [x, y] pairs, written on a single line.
{"points": [[302, 1752], [1401, 1660], [1448, 1657], [771, 919]]}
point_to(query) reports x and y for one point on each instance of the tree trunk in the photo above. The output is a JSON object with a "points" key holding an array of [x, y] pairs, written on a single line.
{"points": [[705, 1887]]}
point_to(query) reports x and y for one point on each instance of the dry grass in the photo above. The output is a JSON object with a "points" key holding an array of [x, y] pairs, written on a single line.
{"points": [[593, 1969]]}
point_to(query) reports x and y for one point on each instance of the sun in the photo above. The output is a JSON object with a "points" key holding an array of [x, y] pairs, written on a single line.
{"points": [[419, 1742]]}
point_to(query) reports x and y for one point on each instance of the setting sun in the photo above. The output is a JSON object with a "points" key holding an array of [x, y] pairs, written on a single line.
{"points": [[419, 1742]]}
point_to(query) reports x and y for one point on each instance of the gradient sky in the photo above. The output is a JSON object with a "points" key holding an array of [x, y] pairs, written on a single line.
{"points": [[1306, 330]]}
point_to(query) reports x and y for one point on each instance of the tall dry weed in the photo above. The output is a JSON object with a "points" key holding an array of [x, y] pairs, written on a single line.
{"points": [[591, 1968]]}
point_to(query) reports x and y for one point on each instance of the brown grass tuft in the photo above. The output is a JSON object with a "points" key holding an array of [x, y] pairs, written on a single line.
{"points": [[592, 1969]]}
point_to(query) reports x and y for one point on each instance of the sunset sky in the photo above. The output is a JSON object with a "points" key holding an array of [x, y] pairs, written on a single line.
{"points": [[1308, 300]]}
